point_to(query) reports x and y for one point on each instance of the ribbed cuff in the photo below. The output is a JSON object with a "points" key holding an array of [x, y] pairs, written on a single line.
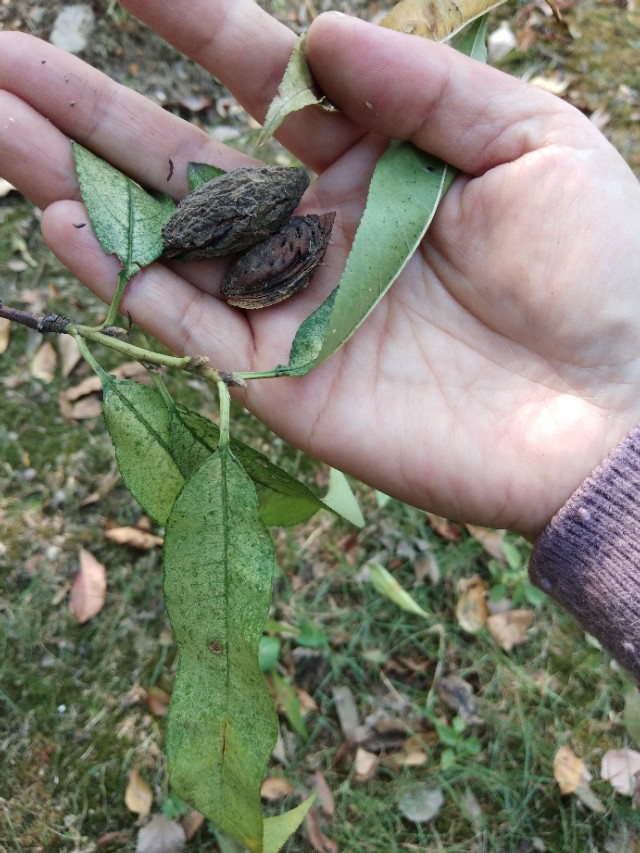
{"points": [[588, 556]]}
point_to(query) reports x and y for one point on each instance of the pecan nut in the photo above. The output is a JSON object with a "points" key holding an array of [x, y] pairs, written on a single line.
{"points": [[233, 211], [281, 265]]}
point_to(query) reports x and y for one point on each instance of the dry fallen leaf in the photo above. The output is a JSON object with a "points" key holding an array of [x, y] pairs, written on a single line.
{"points": [[491, 540], [138, 796], [436, 20], [157, 701], [192, 823], [325, 797], [142, 540], [43, 364], [458, 695], [553, 83], [88, 589], [572, 776], [347, 711], [69, 353], [317, 838], [5, 187], [419, 802], [161, 835], [443, 527], [90, 385], [275, 788], [510, 629], [412, 754], [472, 609], [427, 569], [569, 771], [86, 409], [5, 334], [620, 767], [307, 703], [366, 765]]}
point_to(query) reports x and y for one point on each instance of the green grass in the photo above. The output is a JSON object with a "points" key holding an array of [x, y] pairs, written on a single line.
{"points": [[72, 721], [74, 725]]}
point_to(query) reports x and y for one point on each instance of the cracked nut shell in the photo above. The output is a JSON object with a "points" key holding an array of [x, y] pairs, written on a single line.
{"points": [[281, 265]]}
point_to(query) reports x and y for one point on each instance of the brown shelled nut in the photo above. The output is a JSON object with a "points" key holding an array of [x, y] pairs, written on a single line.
{"points": [[281, 265], [233, 211]]}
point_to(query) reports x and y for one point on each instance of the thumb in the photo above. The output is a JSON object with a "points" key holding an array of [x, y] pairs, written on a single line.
{"points": [[406, 87]]}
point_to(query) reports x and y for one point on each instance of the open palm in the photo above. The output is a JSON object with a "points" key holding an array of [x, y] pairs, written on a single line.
{"points": [[502, 365]]}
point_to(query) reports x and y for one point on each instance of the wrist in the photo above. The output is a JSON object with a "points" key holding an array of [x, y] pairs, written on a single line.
{"points": [[588, 556]]}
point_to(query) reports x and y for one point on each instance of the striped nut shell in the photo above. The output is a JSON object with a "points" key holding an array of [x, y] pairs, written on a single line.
{"points": [[281, 265]]}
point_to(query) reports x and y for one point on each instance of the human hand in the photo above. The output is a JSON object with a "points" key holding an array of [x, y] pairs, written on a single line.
{"points": [[500, 368]]}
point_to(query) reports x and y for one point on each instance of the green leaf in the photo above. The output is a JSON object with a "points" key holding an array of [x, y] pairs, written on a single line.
{"points": [[283, 499], [200, 173], [281, 827], [404, 193], [269, 652], [389, 587], [405, 190], [288, 701], [227, 844], [138, 422], [310, 635], [631, 716], [472, 40], [309, 339], [126, 220], [221, 728], [341, 499], [296, 91]]}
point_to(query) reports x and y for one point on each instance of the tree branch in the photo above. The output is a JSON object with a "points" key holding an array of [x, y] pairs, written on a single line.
{"points": [[48, 323]]}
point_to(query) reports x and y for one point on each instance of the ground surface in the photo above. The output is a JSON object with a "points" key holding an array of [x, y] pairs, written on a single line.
{"points": [[78, 707]]}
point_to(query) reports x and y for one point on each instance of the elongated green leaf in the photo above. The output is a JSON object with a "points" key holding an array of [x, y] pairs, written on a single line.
{"points": [[406, 188], [283, 499], [126, 220], [269, 653], [219, 564], [227, 844], [281, 827], [200, 173], [138, 422], [288, 702], [389, 587], [341, 499], [404, 193], [297, 90], [472, 40], [309, 339]]}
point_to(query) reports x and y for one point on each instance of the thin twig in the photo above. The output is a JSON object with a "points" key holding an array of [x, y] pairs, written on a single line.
{"points": [[23, 318], [109, 337]]}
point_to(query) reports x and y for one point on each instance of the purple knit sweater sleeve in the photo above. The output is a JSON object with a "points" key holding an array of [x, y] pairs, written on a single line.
{"points": [[588, 557]]}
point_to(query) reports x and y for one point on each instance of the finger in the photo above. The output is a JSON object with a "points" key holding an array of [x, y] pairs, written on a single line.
{"points": [[34, 155], [122, 126], [188, 317], [248, 50], [473, 116], [157, 298]]}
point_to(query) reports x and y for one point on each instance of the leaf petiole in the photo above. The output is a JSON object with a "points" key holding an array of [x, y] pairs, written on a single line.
{"points": [[132, 351], [225, 405], [112, 313]]}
